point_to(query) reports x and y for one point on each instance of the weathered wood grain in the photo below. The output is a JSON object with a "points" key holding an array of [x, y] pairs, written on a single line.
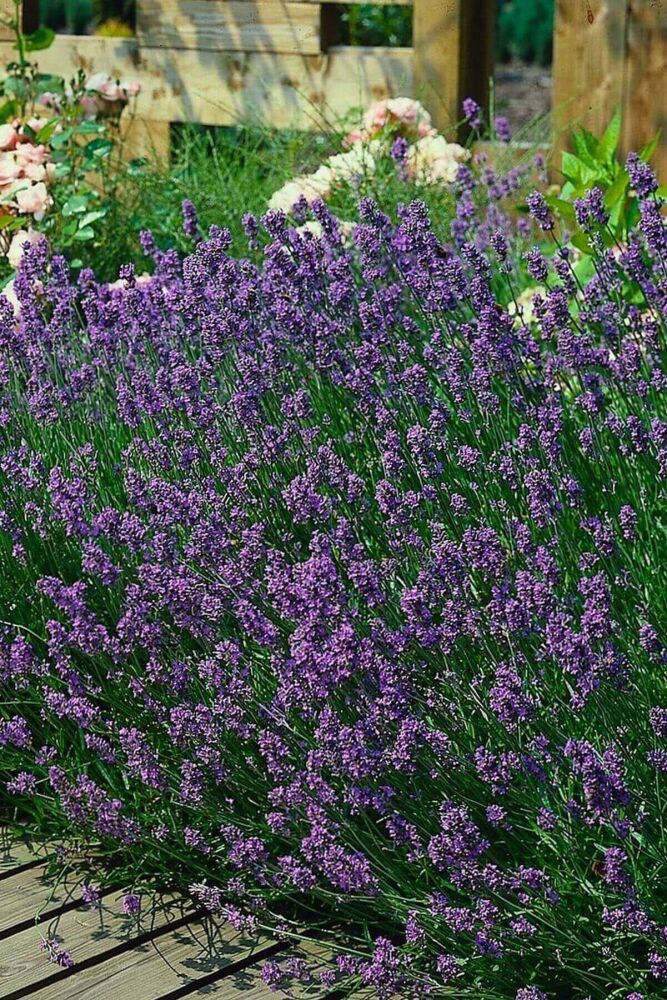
{"points": [[86, 933], [157, 968], [453, 54], [230, 25], [27, 893], [14, 852], [588, 64], [281, 91], [645, 71]]}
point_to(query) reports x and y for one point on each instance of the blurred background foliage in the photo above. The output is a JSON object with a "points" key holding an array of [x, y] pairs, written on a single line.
{"points": [[524, 28]]}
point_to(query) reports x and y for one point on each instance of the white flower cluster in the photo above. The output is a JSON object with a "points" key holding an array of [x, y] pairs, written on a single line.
{"points": [[430, 158]]}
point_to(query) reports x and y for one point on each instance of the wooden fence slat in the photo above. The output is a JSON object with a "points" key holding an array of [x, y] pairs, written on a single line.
{"points": [[223, 88], [230, 25], [158, 967], [587, 65], [453, 55], [375, 3], [645, 97], [85, 933]]}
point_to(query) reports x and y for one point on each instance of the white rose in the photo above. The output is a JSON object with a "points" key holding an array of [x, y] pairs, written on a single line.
{"points": [[20, 240]]}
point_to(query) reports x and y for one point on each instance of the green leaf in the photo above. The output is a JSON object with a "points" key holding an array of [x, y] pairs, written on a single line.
{"points": [[581, 242], [561, 207], [87, 233], [46, 131], [6, 220], [90, 217], [586, 146], [617, 191], [572, 168], [99, 148], [61, 139], [647, 151], [8, 110], [610, 139], [78, 203], [89, 128], [38, 40]]}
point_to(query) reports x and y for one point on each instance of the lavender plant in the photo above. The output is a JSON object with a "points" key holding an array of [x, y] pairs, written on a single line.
{"points": [[334, 590]]}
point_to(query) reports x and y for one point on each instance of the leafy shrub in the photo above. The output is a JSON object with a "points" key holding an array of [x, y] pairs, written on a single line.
{"points": [[59, 151], [524, 28], [332, 585]]}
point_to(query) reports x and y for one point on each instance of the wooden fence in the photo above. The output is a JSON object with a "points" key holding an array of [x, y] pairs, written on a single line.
{"points": [[278, 62]]}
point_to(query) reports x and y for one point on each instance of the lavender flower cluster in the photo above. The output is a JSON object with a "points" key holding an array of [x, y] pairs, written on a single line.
{"points": [[336, 588]]}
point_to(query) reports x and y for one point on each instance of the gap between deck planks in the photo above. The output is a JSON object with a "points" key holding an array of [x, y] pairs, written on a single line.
{"points": [[166, 952]]}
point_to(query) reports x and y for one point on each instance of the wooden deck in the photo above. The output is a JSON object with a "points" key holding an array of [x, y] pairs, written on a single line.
{"points": [[170, 950]]}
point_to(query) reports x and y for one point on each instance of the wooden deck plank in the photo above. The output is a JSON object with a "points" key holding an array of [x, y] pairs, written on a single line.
{"points": [[86, 933], [248, 984], [14, 852], [154, 970], [28, 892]]}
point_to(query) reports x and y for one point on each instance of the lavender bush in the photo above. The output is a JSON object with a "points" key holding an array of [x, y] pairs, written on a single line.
{"points": [[334, 589]]}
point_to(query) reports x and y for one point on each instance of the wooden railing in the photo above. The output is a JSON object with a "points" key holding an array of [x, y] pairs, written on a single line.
{"points": [[278, 62]]}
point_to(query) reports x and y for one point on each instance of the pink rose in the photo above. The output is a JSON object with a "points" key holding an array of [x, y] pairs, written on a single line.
{"points": [[9, 169], [356, 135], [35, 171], [408, 114], [20, 240], [28, 153], [49, 100], [33, 200], [8, 136]]}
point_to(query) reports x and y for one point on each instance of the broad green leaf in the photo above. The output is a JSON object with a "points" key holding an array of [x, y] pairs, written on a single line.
{"points": [[617, 191], [581, 148], [610, 139], [561, 207], [45, 133], [89, 128], [572, 168], [78, 203], [87, 233], [581, 242], [38, 40], [647, 151], [99, 148], [90, 217], [8, 110], [61, 139]]}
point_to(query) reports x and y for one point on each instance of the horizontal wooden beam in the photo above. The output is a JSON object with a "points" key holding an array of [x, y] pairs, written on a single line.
{"points": [[228, 88], [230, 25], [375, 3]]}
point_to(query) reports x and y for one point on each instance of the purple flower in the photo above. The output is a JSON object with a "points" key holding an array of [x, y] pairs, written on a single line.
{"points": [[502, 128], [131, 904], [539, 210], [472, 113], [90, 894], [55, 953], [642, 177]]}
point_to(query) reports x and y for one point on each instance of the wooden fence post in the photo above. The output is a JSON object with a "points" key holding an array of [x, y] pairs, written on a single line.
{"points": [[453, 54], [645, 83], [144, 137], [611, 54]]}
